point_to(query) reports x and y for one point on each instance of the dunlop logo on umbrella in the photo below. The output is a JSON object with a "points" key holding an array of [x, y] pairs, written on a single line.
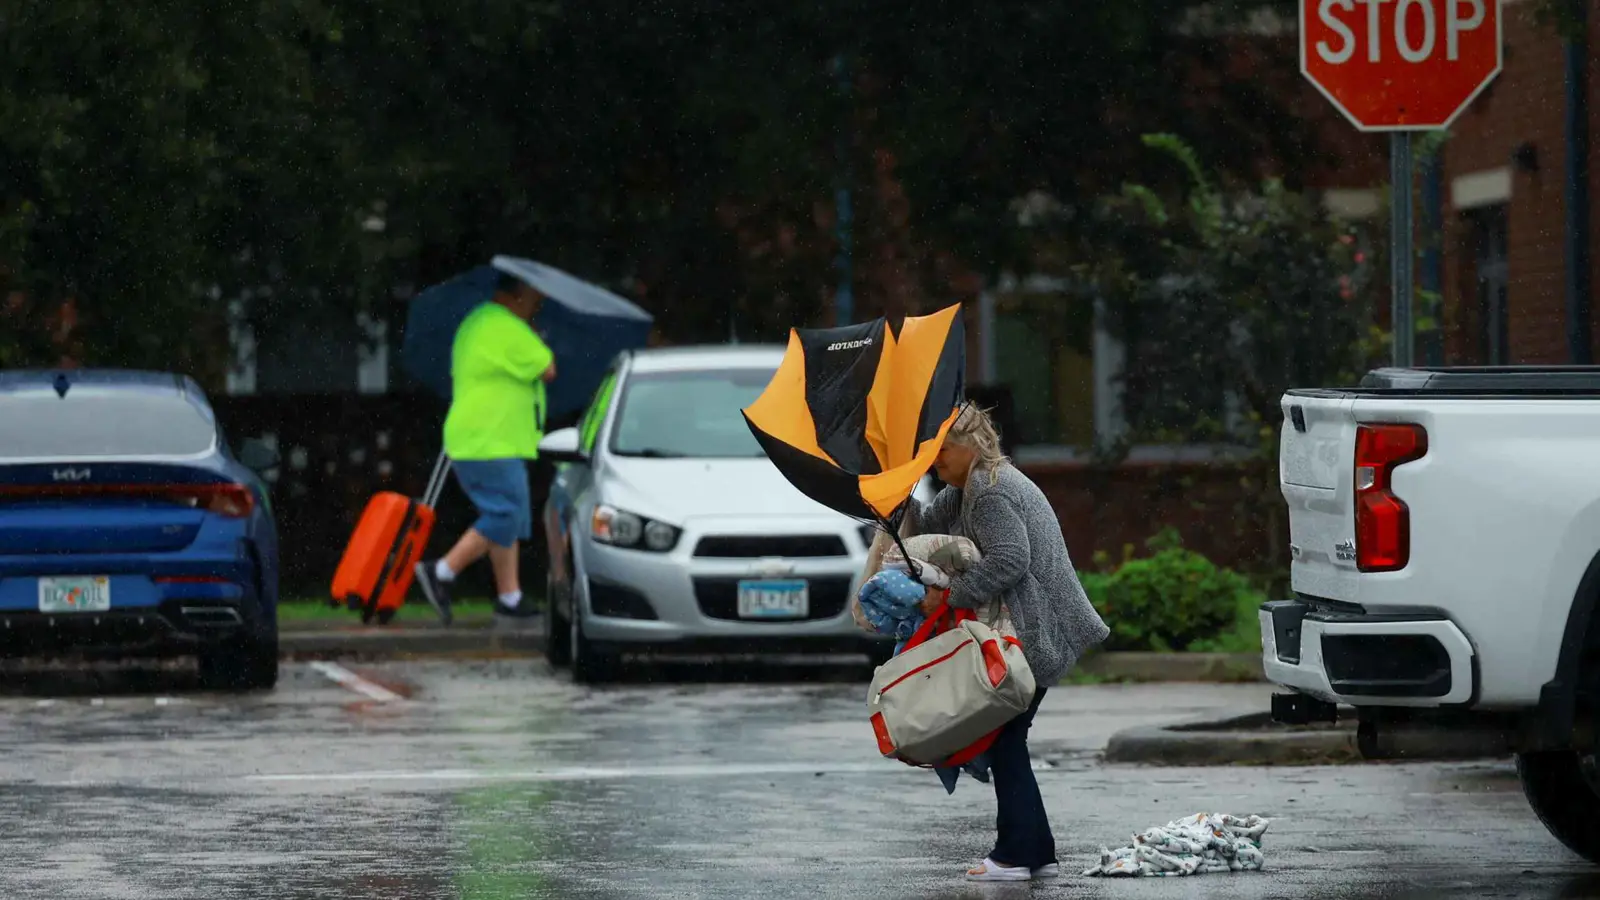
{"points": [[856, 432]]}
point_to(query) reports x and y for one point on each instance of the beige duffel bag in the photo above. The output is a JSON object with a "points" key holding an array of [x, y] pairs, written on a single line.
{"points": [[941, 699]]}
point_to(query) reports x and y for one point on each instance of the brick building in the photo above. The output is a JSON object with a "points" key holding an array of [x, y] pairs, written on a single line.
{"points": [[1499, 198], [1496, 212], [1505, 241]]}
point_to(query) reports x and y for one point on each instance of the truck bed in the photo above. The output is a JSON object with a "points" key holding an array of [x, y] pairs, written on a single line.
{"points": [[1471, 382]]}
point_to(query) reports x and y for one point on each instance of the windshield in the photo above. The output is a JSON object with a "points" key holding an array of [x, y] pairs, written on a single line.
{"points": [[96, 422], [689, 415]]}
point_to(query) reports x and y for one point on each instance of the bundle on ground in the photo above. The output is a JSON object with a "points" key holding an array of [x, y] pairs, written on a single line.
{"points": [[1200, 844]]}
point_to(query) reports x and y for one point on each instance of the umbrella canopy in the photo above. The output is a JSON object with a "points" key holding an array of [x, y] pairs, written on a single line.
{"points": [[585, 325], [854, 416]]}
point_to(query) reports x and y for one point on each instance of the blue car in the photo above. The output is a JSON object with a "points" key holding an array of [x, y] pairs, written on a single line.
{"points": [[129, 529]]}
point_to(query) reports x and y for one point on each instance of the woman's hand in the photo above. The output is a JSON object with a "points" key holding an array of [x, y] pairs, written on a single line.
{"points": [[932, 600]]}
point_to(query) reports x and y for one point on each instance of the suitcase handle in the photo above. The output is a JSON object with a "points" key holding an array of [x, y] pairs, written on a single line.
{"points": [[441, 471]]}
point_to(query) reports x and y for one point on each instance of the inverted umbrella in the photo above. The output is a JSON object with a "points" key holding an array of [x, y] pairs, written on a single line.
{"points": [[585, 325], [854, 416]]}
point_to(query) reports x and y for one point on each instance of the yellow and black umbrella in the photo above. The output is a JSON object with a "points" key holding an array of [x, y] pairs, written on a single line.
{"points": [[854, 416]]}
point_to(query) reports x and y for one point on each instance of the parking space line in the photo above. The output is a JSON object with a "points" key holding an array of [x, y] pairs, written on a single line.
{"points": [[609, 773], [347, 679]]}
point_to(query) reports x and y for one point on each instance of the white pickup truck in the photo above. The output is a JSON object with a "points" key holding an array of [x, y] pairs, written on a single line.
{"points": [[1444, 529]]}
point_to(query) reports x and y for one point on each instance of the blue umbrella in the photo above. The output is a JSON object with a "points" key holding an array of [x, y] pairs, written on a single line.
{"points": [[585, 325]]}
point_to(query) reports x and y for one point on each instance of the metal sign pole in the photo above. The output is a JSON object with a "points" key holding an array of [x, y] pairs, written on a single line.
{"points": [[1400, 246]]}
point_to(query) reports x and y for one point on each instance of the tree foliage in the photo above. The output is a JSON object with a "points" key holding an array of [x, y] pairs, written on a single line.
{"points": [[315, 157], [1225, 299]]}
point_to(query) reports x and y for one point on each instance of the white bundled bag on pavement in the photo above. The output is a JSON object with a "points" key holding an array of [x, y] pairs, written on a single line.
{"points": [[1200, 844], [943, 695]]}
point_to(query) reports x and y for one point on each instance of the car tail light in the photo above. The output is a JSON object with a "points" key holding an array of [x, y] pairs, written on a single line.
{"points": [[234, 500], [1383, 521]]}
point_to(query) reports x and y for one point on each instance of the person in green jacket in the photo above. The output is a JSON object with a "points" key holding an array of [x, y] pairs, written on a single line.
{"points": [[498, 368]]}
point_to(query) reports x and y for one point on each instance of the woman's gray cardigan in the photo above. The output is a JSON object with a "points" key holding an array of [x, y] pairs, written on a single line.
{"points": [[1025, 563]]}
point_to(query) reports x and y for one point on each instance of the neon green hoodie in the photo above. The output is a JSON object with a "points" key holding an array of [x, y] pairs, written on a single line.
{"points": [[498, 402]]}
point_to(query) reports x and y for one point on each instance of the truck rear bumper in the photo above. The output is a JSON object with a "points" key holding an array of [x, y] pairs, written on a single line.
{"points": [[1399, 657]]}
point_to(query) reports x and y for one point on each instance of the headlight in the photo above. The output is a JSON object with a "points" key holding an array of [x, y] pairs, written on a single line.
{"points": [[620, 528]]}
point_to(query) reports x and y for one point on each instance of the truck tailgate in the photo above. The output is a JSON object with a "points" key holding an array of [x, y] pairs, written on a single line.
{"points": [[1316, 475]]}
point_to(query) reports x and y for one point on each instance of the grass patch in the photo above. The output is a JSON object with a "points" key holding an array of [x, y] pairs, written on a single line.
{"points": [[304, 611]]}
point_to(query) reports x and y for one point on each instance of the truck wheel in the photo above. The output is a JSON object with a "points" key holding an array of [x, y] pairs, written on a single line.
{"points": [[1561, 787], [245, 665]]}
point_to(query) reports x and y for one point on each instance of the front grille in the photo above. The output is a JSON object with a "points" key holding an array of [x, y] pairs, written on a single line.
{"points": [[758, 546], [719, 598]]}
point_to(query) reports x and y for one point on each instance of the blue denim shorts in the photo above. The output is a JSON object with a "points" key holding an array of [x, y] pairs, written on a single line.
{"points": [[499, 490]]}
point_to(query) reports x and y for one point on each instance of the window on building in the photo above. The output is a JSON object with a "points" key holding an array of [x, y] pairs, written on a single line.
{"points": [[1056, 354], [1043, 350], [1487, 286]]}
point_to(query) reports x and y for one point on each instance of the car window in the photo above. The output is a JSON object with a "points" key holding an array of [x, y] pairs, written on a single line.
{"points": [[589, 429], [96, 422], [694, 415]]}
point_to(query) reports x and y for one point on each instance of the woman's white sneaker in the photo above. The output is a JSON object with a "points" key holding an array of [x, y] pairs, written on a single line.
{"points": [[988, 871]]}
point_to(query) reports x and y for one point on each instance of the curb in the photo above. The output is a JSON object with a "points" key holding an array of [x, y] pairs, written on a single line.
{"points": [[357, 641], [380, 642], [1244, 739], [1147, 667]]}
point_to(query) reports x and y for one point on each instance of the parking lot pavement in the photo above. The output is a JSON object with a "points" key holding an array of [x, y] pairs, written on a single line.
{"points": [[489, 780]]}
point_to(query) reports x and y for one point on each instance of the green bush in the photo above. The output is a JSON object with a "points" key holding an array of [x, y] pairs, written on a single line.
{"points": [[1174, 599]]}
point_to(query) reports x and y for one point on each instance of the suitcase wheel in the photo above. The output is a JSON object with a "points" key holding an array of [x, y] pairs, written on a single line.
{"points": [[352, 603], [366, 615], [385, 616]]}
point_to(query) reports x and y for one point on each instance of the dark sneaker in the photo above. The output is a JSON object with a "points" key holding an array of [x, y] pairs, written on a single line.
{"points": [[436, 591]]}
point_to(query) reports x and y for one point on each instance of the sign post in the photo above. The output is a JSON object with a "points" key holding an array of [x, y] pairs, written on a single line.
{"points": [[1401, 250], [1400, 66]]}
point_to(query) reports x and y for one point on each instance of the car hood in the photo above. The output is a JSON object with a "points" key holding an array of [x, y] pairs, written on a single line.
{"points": [[676, 490]]}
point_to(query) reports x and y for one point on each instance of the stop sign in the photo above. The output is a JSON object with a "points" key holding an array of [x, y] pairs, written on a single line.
{"points": [[1400, 65]]}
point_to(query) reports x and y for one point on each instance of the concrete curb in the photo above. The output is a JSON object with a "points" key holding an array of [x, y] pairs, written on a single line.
{"points": [[527, 638], [1206, 667], [379, 641], [1247, 738]]}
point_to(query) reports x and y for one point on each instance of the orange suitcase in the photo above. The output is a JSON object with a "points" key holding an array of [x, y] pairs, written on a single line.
{"points": [[377, 568]]}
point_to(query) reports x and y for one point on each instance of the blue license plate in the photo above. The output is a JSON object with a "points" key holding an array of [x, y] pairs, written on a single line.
{"points": [[789, 599]]}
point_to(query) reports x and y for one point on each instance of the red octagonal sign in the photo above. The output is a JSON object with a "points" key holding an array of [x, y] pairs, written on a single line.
{"points": [[1400, 65]]}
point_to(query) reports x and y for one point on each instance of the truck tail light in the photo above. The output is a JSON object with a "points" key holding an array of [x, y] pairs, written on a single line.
{"points": [[1383, 521]]}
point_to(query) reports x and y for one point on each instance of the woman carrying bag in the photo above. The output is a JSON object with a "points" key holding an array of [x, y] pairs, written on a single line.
{"points": [[1024, 563]]}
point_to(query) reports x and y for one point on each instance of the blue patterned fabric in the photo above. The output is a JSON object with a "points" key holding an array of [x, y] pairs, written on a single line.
{"points": [[892, 602]]}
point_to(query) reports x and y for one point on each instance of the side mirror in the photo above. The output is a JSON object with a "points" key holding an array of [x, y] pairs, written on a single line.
{"points": [[561, 446], [259, 456]]}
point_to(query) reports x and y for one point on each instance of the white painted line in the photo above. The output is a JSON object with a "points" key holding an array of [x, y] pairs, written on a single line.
{"points": [[348, 679], [613, 773], [592, 773]]}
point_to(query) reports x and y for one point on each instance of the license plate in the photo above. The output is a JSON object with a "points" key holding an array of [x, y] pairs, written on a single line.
{"points": [[774, 600], [69, 595]]}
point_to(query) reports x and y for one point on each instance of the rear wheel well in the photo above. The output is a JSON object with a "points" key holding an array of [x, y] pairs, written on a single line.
{"points": [[1573, 690]]}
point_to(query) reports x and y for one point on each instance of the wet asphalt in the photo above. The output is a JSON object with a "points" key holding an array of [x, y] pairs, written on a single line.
{"points": [[496, 780]]}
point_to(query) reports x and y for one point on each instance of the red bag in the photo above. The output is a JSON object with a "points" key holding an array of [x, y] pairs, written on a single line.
{"points": [[379, 562], [944, 618]]}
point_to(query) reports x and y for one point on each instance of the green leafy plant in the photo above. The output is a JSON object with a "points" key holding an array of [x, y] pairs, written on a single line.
{"points": [[1173, 599]]}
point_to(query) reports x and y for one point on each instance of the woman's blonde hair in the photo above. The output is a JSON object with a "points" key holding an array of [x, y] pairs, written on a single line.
{"points": [[974, 430]]}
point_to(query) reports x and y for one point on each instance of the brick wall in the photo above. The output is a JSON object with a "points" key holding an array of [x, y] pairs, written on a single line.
{"points": [[1525, 106], [1105, 508]]}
